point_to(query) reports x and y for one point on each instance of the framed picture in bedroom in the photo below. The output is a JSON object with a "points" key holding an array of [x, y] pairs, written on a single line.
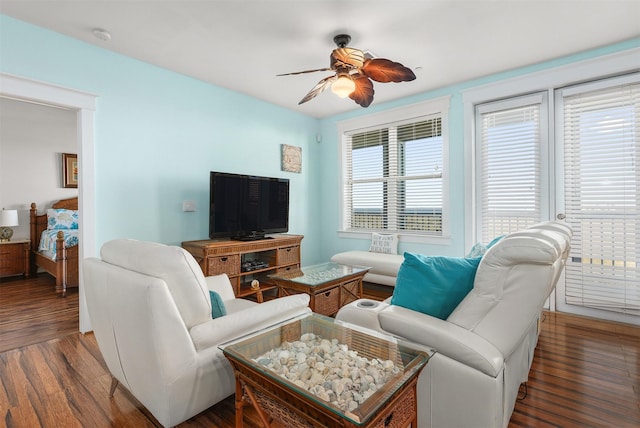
{"points": [[70, 170]]}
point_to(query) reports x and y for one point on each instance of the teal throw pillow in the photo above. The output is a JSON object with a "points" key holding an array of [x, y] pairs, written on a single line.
{"points": [[217, 305], [434, 285]]}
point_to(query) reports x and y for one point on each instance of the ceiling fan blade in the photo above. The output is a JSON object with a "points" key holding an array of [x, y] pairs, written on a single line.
{"points": [[363, 94], [318, 89], [303, 72], [384, 70]]}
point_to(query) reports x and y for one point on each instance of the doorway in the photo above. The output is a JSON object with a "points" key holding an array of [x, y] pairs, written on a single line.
{"points": [[84, 105]]}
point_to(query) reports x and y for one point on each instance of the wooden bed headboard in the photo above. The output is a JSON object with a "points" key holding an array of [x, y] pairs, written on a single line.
{"points": [[38, 223]]}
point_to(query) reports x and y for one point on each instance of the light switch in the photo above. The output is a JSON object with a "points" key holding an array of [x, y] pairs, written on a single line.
{"points": [[188, 206]]}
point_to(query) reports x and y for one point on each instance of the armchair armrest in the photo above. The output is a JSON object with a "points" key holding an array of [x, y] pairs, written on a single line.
{"points": [[223, 329], [446, 338], [221, 285]]}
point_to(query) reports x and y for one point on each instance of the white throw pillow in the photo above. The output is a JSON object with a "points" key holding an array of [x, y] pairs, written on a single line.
{"points": [[385, 244]]}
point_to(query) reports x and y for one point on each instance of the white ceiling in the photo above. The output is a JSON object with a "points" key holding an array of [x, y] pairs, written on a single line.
{"points": [[243, 44]]}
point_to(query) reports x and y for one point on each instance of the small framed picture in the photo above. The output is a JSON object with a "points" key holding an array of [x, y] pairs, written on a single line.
{"points": [[291, 158], [70, 170]]}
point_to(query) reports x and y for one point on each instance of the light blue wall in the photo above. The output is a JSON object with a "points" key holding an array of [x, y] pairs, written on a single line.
{"points": [[329, 187], [158, 134]]}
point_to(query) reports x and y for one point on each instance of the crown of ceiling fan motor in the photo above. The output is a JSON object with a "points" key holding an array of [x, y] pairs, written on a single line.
{"points": [[342, 40]]}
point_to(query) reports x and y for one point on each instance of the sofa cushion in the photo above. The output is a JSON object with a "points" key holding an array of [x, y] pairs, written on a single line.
{"points": [[434, 285], [236, 305], [381, 264]]}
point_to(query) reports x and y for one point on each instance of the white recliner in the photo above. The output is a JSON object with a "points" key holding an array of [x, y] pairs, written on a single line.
{"points": [[484, 349], [150, 310]]}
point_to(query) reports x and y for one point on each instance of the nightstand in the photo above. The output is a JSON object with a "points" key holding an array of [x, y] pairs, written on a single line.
{"points": [[14, 257]]}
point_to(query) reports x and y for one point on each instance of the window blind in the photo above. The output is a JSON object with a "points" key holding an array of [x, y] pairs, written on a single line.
{"points": [[602, 196], [508, 165], [394, 177], [367, 155]]}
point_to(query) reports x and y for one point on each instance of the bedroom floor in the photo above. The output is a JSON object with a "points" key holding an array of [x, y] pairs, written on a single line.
{"points": [[32, 312]]}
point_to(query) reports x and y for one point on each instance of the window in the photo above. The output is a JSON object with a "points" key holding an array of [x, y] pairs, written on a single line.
{"points": [[393, 175], [511, 137]]}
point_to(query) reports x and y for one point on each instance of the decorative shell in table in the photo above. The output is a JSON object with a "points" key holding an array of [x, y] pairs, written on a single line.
{"points": [[329, 370]]}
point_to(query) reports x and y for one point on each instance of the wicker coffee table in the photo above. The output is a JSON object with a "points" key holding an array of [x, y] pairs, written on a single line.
{"points": [[329, 285], [280, 401]]}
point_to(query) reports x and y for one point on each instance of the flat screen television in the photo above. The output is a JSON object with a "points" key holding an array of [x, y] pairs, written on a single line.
{"points": [[247, 207]]}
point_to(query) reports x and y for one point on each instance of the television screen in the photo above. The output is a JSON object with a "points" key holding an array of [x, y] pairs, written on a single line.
{"points": [[247, 207]]}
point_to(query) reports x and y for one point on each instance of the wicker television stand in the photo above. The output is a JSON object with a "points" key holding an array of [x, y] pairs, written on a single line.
{"points": [[245, 261]]}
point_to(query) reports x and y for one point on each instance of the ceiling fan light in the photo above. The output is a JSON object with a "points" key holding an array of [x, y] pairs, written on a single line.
{"points": [[343, 86]]}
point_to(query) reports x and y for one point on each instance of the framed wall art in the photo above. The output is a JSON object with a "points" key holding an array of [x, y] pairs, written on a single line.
{"points": [[70, 170], [291, 158]]}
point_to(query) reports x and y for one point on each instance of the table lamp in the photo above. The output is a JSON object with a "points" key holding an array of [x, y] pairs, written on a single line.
{"points": [[8, 219]]}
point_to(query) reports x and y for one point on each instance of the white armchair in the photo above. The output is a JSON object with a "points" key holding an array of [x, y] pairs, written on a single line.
{"points": [[150, 310]]}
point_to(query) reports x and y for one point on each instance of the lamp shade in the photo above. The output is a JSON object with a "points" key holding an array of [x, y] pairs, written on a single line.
{"points": [[343, 86], [8, 218]]}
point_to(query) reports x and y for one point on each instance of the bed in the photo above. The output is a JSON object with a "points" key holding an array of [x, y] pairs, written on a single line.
{"points": [[54, 242]]}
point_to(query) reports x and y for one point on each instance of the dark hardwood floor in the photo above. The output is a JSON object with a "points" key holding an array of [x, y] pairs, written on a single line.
{"points": [[31, 311], [585, 374]]}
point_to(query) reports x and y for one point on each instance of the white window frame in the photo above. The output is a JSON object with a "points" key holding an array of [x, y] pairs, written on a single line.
{"points": [[438, 106]]}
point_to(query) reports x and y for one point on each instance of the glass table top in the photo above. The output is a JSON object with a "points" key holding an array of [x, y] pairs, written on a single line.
{"points": [[319, 274], [343, 369]]}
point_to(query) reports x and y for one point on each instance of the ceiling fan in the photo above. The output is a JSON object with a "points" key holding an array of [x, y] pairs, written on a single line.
{"points": [[354, 70]]}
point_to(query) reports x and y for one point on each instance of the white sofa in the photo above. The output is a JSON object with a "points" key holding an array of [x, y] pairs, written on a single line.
{"points": [[384, 267], [485, 348], [150, 310]]}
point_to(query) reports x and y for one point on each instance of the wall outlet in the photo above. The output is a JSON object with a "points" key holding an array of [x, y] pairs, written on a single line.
{"points": [[188, 206]]}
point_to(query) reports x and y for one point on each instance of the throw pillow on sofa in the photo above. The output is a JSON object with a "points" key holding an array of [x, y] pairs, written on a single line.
{"points": [[384, 243], [479, 249], [434, 285], [218, 309]]}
